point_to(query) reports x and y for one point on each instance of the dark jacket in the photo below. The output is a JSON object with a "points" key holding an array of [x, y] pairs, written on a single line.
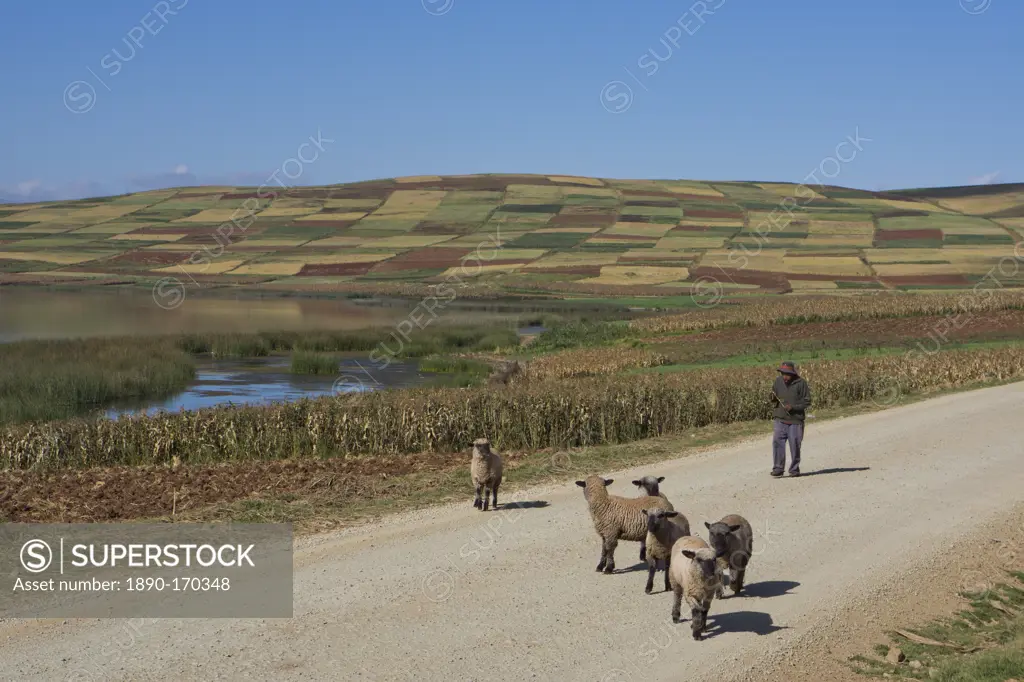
{"points": [[797, 395]]}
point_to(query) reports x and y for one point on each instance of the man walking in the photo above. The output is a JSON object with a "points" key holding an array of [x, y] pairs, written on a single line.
{"points": [[792, 397]]}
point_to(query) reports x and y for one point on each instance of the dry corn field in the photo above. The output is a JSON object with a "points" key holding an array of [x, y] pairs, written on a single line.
{"points": [[553, 413], [592, 362], [833, 309]]}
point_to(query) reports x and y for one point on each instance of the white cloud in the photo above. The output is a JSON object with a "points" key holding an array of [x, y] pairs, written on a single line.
{"points": [[986, 179], [180, 169]]}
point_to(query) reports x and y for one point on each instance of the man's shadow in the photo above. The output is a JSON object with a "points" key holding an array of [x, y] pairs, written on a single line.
{"points": [[835, 470], [741, 621]]}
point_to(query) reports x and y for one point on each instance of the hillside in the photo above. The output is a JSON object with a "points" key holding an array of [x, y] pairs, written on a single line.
{"points": [[556, 234]]}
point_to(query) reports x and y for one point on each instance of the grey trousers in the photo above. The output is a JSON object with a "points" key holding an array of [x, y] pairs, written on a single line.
{"points": [[794, 433]]}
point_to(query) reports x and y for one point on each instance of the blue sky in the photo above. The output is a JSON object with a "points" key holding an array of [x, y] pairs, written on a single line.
{"points": [[225, 92]]}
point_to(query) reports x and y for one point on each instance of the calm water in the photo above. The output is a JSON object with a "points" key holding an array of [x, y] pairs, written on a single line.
{"points": [[261, 381]]}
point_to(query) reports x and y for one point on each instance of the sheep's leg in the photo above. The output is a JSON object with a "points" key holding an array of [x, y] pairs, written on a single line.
{"points": [[677, 604], [494, 492], [697, 624], [736, 579], [609, 551], [476, 500], [643, 550], [651, 568], [668, 565], [487, 494], [604, 556]]}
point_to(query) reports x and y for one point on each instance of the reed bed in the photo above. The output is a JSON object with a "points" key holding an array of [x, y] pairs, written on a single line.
{"points": [[533, 415]]}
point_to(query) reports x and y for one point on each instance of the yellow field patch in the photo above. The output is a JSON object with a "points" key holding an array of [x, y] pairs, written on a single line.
{"points": [[354, 204], [811, 285], [674, 243], [103, 212], [39, 215], [51, 256], [592, 182], [684, 187], [802, 192], [629, 275], [974, 230], [144, 237], [639, 229], [419, 178], [981, 205], [874, 203], [826, 227], [407, 241], [410, 201], [576, 230], [337, 241], [61, 273], [276, 211], [204, 267], [657, 254], [567, 259], [825, 265], [712, 222], [953, 253], [352, 215], [216, 215], [173, 246], [470, 268], [272, 268]]}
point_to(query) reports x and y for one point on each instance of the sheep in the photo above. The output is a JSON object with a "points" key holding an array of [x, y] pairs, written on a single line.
{"points": [[663, 529], [694, 573], [485, 470], [650, 484], [616, 518], [732, 538]]}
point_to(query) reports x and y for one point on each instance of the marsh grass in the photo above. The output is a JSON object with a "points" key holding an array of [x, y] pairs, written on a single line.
{"points": [[46, 380], [306, 362]]}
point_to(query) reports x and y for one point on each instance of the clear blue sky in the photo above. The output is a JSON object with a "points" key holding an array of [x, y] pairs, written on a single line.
{"points": [[226, 91]]}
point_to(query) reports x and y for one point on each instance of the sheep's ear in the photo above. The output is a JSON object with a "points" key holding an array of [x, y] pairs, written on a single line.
{"points": [[733, 529], [660, 479], [689, 553], [636, 483], [608, 481], [707, 525], [581, 484], [672, 513]]}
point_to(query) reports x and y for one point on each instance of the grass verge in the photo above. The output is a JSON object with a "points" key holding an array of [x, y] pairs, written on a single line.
{"points": [[983, 643]]}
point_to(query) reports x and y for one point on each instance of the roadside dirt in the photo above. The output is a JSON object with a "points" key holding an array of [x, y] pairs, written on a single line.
{"points": [[453, 593]]}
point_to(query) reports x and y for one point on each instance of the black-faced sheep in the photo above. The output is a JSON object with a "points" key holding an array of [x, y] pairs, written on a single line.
{"points": [[663, 529], [617, 518], [732, 538], [694, 574], [650, 484]]}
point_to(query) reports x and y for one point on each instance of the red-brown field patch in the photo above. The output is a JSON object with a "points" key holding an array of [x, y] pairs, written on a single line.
{"points": [[650, 193], [761, 278], [336, 269], [897, 235], [830, 278], [690, 213], [589, 270], [146, 257], [604, 219], [327, 222], [625, 237], [429, 257]]}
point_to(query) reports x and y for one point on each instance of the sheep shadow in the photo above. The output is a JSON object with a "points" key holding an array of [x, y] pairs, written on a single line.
{"points": [[834, 470], [529, 504], [768, 588], [641, 566], [741, 621]]}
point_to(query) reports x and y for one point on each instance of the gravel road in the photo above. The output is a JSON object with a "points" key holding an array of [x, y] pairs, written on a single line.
{"points": [[456, 594]]}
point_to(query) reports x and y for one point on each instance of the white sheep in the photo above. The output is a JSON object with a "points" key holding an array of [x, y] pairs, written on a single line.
{"points": [[663, 529], [617, 518], [485, 470], [694, 573]]}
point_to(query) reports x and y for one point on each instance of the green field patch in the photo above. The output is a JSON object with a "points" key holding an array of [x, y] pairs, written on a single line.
{"points": [[673, 213], [536, 194], [548, 240], [908, 244], [528, 208], [26, 265], [982, 239], [371, 224], [415, 275], [933, 221], [6, 225], [616, 246], [52, 242]]}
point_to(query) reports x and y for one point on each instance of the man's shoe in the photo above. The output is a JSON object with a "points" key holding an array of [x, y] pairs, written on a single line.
{"points": [[794, 473], [776, 474]]}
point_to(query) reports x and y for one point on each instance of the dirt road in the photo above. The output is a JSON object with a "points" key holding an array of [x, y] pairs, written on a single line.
{"points": [[456, 594]]}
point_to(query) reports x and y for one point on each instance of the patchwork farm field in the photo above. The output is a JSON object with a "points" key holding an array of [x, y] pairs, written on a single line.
{"points": [[524, 235]]}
